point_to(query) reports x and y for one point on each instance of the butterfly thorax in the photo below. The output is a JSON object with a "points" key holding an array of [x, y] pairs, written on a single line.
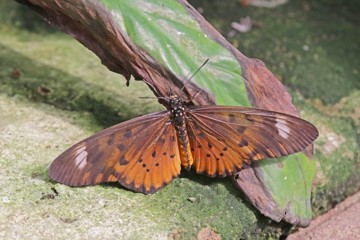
{"points": [[178, 116]]}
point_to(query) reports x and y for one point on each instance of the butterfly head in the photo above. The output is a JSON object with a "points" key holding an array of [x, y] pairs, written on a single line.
{"points": [[176, 102]]}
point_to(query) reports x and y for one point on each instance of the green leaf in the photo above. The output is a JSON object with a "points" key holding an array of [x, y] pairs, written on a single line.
{"points": [[289, 180], [169, 34]]}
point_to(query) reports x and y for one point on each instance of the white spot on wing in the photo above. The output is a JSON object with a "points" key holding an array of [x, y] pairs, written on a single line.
{"points": [[282, 128], [81, 156]]}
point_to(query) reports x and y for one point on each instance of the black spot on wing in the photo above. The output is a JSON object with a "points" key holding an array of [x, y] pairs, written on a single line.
{"points": [[123, 160], [243, 143], [110, 140], [128, 133], [121, 147], [250, 118], [241, 129], [232, 118], [201, 134]]}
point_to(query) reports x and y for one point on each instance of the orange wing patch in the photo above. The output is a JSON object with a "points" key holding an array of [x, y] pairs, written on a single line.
{"points": [[131, 153], [154, 166], [212, 156]]}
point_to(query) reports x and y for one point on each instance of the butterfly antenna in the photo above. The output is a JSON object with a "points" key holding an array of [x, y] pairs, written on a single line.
{"points": [[145, 97], [193, 97], [151, 86], [188, 80]]}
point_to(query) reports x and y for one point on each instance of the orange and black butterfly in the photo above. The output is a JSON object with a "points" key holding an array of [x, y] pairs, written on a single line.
{"points": [[146, 153]]}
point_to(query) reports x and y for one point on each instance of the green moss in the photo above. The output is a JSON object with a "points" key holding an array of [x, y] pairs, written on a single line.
{"points": [[337, 152], [14, 14], [38, 69], [194, 202]]}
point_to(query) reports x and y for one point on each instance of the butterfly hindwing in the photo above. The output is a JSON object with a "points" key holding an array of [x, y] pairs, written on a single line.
{"points": [[246, 133], [114, 155], [212, 156], [154, 166]]}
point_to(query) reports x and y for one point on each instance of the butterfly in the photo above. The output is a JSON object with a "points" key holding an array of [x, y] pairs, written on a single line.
{"points": [[146, 153]]}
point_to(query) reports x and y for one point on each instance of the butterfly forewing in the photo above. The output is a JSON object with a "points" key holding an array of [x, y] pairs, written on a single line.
{"points": [[247, 134], [123, 153]]}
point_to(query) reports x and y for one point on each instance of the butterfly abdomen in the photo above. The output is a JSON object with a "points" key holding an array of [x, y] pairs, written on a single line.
{"points": [[182, 136]]}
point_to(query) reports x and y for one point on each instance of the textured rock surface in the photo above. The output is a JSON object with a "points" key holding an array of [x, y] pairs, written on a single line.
{"points": [[341, 222]]}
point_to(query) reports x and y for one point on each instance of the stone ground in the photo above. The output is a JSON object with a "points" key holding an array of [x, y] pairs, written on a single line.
{"points": [[341, 222]]}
